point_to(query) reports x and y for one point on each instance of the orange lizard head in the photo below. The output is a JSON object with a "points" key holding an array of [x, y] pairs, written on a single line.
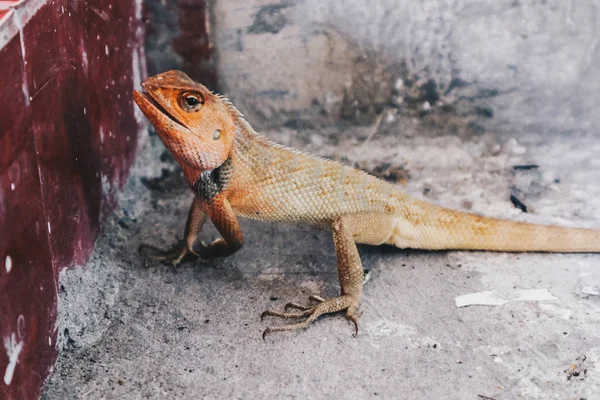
{"points": [[193, 123]]}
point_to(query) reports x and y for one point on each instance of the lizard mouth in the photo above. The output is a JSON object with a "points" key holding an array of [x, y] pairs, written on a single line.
{"points": [[148, 97]]}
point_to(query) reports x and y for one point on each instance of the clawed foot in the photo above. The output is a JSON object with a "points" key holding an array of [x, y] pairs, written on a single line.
{"points": [[323, 306], [172, 257], [218, 248]]}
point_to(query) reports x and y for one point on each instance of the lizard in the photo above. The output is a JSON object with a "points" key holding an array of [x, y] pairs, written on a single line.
{"points": [[234, 172]]}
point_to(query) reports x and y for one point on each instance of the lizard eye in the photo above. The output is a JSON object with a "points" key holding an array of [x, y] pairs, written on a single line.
{"points": [[191, 101]]}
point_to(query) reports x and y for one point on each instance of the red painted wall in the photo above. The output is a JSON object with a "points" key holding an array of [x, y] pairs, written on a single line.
{"points": [[67, 139]]}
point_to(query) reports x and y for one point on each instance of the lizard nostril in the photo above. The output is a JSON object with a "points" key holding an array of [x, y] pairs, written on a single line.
{"points": [[216, 134]]}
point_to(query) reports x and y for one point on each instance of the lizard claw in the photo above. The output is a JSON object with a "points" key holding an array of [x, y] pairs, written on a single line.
{"points": [[352, 319], [172, 257], [323, 306], [263, 315], [265, 333]]}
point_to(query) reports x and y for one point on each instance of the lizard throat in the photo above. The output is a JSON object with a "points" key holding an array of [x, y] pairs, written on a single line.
{"points": [[212, 182]]}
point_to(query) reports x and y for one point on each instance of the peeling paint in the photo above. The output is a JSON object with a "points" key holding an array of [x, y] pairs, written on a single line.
{"points": [[13, 349], [138, 66], [9, 26], [19, 24], [269, 19]]}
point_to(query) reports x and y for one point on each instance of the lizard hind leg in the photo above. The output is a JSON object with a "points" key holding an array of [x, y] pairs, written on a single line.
{"points": [[313, 298], [345, 230]]}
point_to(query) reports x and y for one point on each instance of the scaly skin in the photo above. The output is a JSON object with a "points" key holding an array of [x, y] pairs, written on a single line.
{"points": [[235, 172]]}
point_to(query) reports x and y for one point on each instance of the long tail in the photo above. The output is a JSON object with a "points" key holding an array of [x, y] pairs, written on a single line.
{"points": [[421, 225]]}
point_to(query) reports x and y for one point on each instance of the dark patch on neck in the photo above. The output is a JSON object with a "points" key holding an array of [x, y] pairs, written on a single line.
{"points": [[211, 183]]}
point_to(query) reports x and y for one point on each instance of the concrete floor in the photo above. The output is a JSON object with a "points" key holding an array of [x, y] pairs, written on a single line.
{"points": [[133, 332]]}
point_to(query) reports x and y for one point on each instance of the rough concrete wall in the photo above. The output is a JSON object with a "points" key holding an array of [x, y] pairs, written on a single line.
{"points": [[68, 134], [177, 37], [508, 65]]}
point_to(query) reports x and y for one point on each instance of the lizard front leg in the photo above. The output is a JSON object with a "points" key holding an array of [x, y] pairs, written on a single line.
{"points": [[222, 216], [350, 273], [193, 227]]}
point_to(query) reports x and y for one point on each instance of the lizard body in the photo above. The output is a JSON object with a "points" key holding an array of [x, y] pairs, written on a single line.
{"points": [[235, 172]]}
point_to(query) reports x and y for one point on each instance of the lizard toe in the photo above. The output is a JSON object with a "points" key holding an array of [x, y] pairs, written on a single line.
{"points": [[336, 304]]}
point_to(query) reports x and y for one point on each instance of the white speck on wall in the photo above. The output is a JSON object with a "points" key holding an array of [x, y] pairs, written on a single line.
{"points": [[13, 349], [8, 264], [84, 111], [106, 49], [101, 135], [84, 59], [49, 341], [49, 228], [12, 186]]}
